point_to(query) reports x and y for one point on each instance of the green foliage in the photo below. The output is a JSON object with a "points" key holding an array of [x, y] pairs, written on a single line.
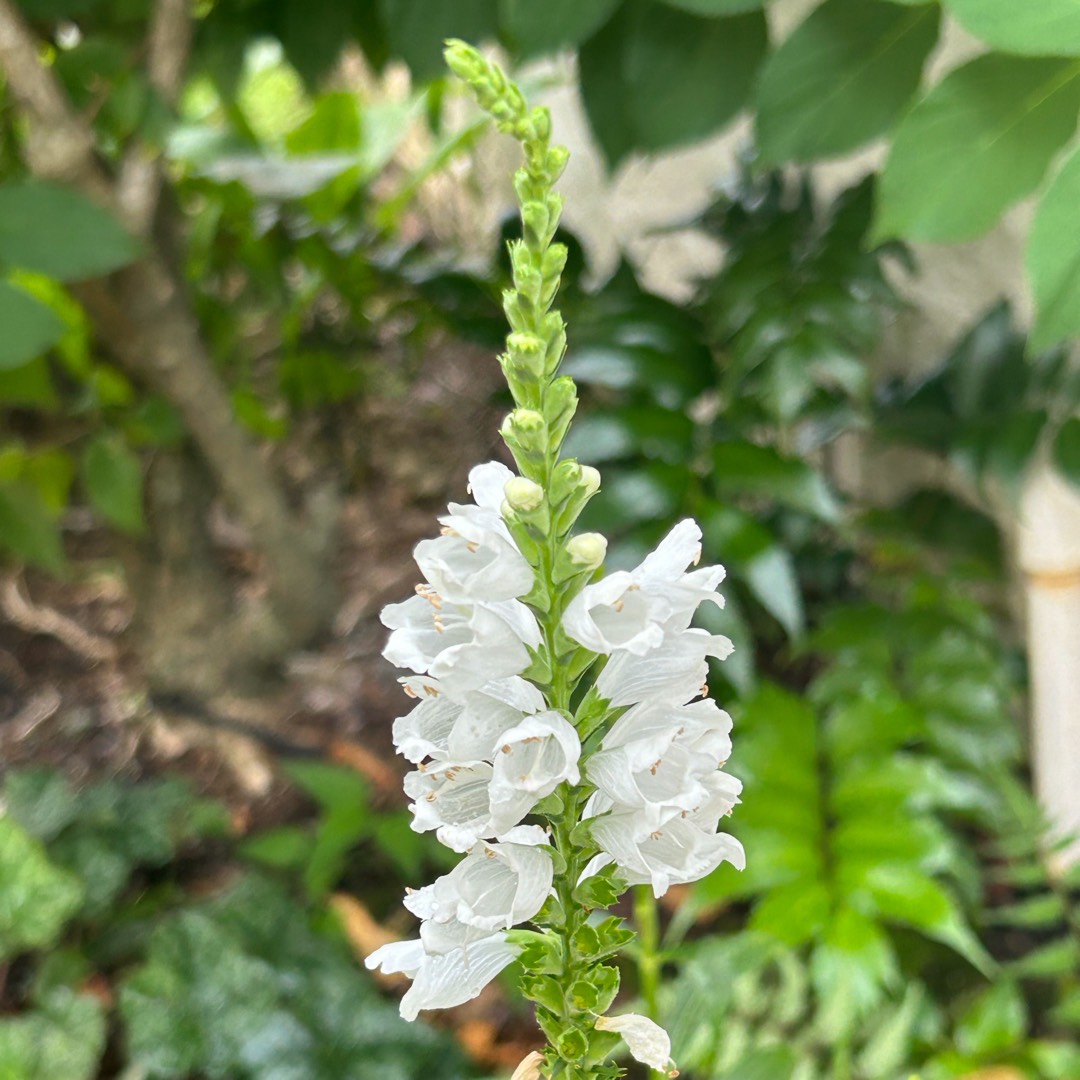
{"points": [[1052, 262], [58, 232], [1051, 29], [656, 77], [240, 987], [247, 983], [320, 854], [842, 78], [36, 896], [999, 118], [987, 405], [63, 1035]]}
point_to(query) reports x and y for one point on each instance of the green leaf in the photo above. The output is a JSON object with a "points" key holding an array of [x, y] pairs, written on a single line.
{"points": [[36, 897], [1046, 28], [1053, 261], [842, 78], [64, 1037], [29, 327], [416, 29], [772, 579], [58, 232], [979, 141], [287, 848], [716, 7], [533, 29], [994, 1023], [27, 528], [906, 895], [655, 77], [1067, 450], [112, 477], [747, 469]]}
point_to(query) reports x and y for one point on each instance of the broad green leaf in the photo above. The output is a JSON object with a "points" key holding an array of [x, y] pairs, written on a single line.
{"points": [[112, 477], [1053, 258], [63, 1037], [29, 327], [772, 579], [313, 33], [716, 7], [747, 469], [1067, 450], [36, 897], [31, 384], [27, 528], [1041, 28], [416, 29], [57, 231], [979, 141], [995, 1022], [842, 78], [532, 29], [906, 895], [655, 77]]}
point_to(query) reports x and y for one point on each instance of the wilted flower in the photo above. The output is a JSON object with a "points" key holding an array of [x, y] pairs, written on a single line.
{"points": [[648, 1042]]}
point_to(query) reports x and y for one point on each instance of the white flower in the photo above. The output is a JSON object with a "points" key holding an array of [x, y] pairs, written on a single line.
{"points": [[463, 728], [453, 799], [529, 1069], [684, 849], [531, 761], [657, 759], [494, 887], [476, 558], [634, 610], [675, 671], [462, 645], [648, 1042], [445, 978]]}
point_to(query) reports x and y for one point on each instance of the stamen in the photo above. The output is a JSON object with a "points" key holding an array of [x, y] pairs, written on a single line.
{"points": [[473, 548], [619, 604], [430, 796], [410, 692], [654, 766]]}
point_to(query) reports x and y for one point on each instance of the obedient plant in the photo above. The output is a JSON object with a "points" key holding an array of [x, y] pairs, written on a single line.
{"points": [[562, 734]]}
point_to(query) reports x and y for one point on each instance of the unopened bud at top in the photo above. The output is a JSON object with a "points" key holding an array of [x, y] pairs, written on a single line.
{"points": [[587, 549], [523, 494]]}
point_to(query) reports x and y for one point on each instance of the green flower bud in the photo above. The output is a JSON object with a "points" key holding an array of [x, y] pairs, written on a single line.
{"points": [[523, 494], [560, 404], [590, 480]]}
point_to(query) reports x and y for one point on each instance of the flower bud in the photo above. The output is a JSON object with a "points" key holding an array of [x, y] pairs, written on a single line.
{"points": [[523, 494], [557, 157], [560, 404], [590, 480], [587, 549]]}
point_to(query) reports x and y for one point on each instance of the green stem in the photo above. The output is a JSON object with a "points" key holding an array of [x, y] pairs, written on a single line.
{"points": [[647, 922]]}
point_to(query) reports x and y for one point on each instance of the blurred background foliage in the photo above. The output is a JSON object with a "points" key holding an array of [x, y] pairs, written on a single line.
{"points": [[903, 911]]}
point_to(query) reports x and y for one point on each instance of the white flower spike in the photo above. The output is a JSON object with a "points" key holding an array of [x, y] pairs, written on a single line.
{"points": [[515, 701]]}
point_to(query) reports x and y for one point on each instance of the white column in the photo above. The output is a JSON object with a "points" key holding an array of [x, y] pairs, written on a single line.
{"points": [[1049, 556]]}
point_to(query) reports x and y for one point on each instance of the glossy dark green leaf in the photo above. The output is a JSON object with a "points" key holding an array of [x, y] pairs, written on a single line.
{"points": [[842, 78], [417, 29], [980, 140], [759, 471], [56, 231], [29, 327], [532, 29], [1050, 28], [655, 77], [113, 479], [1067, 450], [1053, 262]]}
